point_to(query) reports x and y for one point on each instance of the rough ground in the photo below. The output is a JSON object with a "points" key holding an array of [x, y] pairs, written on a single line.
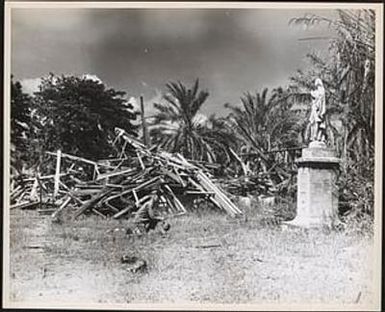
{"points": [[205, 258]]}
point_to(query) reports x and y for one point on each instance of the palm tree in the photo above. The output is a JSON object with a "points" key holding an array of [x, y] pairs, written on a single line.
{"points": [[179, 127], [264, 123]]}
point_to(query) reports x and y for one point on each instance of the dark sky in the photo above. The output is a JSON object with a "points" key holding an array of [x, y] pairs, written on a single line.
{"points": [[139, 50]]}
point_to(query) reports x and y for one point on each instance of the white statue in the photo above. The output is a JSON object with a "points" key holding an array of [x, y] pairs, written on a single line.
{"points": [[317, 115]]}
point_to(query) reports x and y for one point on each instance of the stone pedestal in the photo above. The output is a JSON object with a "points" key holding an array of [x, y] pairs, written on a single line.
{"points": [[317, 197]]}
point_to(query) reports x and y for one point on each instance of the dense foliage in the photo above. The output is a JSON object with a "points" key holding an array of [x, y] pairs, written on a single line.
{"points": [[20, 126], [348, 76], [78, 115], [263, 124]]}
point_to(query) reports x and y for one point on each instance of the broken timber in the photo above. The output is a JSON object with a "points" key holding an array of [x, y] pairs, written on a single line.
{"points": [[119, 186]]}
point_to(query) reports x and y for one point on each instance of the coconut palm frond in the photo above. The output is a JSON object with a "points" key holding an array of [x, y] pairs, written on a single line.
{"points": [[179, 127]]}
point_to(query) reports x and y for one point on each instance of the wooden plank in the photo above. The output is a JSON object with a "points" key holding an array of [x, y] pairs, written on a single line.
{"points": [[176, 200], [85, 192], [136, 197], [71, 167], [135, 143], [15, 190], [181, 181], [146, 135], [17, 194], [90, 203], [40, 190], [69, 192], [174, 176], [62, 206], [199, 187], [185, 162], [122, 153], [171, 205], [119, 194], [117, 186], [167, 162], [111, 206], [219, 196], [46, 177], [64, 155], [100, 161], [21, 196], [95, 172], [12, 186], [215, 202], [98, 213], [114, 173], [57, 174], [224, 201], [140, 161], [25, 205], [118, 166], [121, 212], [199, 193], [147, 183], [172, 160]]}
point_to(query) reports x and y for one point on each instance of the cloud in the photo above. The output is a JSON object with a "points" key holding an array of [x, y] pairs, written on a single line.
{"points": [[30, 85], [140, 50], [92, 77], [149, 109], [173, 24]]}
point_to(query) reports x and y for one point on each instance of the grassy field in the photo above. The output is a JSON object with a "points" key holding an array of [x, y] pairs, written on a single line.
{"points": [[204, 258]]}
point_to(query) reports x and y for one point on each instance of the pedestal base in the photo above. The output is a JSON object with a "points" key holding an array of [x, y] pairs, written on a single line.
{"points": [[317, 197], [309, 223]]}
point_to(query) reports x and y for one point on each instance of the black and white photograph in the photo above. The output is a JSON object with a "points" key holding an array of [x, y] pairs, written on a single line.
{"points": [[193, 155]]}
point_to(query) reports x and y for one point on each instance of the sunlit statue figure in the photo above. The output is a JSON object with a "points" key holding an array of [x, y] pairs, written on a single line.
{"points": [[317, 115]]}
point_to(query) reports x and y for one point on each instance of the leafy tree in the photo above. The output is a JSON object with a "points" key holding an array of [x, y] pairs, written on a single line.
{"points": [[78, 115], [20, 125], [179, 127]]}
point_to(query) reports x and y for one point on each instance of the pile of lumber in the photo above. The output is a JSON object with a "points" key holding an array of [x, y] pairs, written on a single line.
{"points": [[24, 191], [119, 186]]}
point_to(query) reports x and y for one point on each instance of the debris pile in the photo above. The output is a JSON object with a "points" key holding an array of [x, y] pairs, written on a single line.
{"points": [[24, 191], [120, 186]]}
